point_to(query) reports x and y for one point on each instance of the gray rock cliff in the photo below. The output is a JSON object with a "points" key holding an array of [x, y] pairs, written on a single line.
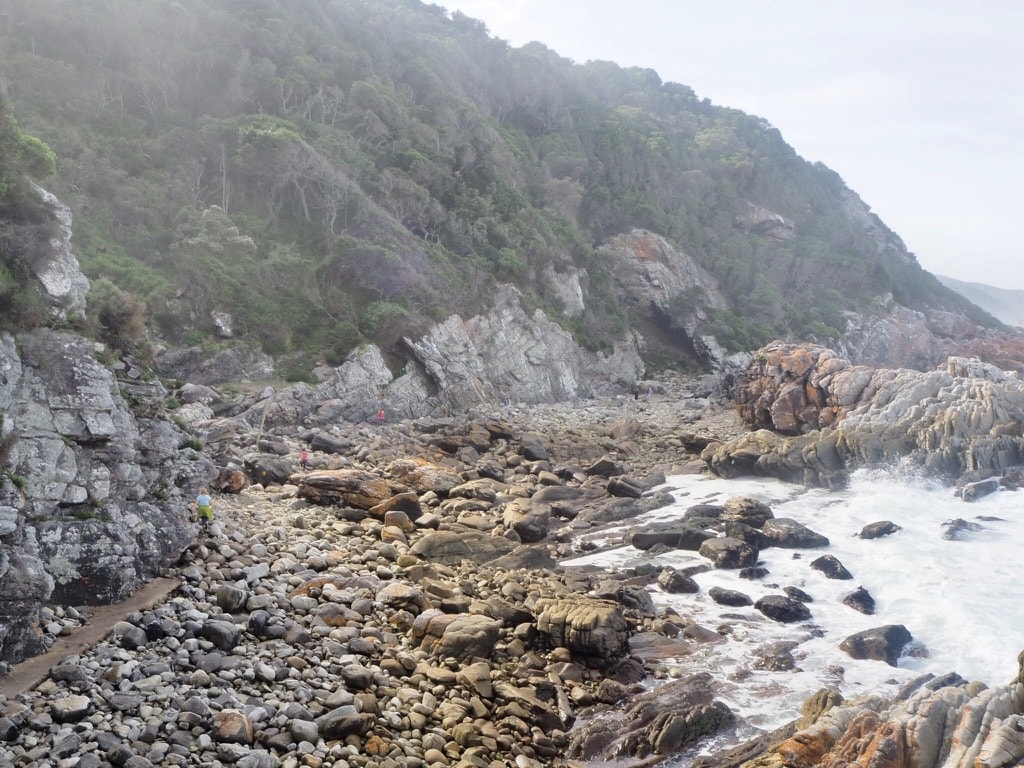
{"points": [[94, 478], [505, 354]]}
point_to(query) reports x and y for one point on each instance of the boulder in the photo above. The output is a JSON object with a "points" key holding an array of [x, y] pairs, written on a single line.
{"points": [[673, 535], [879, 529], [860, 600], [730, 597], [783, 609], [349, 487], [453, 547], [789, 534], [594, 631], [831, 567], [880, 643], [727, 552], [268, 468], [529, 520], [747, 510], [674, 582], [421, 476]]}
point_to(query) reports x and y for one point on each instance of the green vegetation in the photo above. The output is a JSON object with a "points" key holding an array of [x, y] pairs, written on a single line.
{"points": [[332, 173]]}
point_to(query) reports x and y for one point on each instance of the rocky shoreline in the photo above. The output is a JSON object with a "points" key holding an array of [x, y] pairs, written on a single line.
{"points": [[330, 635], [400, 604]]}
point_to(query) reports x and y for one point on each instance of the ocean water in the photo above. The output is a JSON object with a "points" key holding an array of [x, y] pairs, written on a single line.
{"points": [[958, 598]]}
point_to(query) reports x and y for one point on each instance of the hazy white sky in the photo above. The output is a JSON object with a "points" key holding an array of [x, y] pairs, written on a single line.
{"points": [[917, 104]]}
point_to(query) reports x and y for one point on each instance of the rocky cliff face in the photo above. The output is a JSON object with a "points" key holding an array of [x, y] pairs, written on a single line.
{"points": [[95, 479], [504, 355], [667, 289]]}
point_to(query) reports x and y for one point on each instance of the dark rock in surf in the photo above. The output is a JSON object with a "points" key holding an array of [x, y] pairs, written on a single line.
{"points": [[671, 535], [860, 600], [674, 582], [789, 534], [727, 552], [878, 530], [956, 528], [880, 644], [730, 597], [831, 567], [783, 609]]}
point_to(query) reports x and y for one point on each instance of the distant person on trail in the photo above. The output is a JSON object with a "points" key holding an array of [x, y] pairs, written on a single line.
{"points": [[380, 417], [304, 459], [204, 509]]}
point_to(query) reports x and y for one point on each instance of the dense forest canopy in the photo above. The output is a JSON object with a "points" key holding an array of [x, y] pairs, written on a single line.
{"points": [[334, 171]]}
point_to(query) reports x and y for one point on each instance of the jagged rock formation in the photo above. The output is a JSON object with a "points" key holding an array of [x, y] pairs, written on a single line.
{"points": [[505, 355], [817, 416], [230, 362], [944, 722], [56, 267]]}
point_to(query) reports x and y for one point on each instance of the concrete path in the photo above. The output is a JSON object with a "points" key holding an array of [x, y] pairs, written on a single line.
{"points": [[29, 673]]}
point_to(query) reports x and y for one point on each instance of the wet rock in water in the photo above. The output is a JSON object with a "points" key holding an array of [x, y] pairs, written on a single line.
{"points": [[860, 600], [675, 582], [753, 536], [775, 657], [789, 534], [704, 512], [831, 567], [955, 529], [797, 594], [727, 552], [661, 723], [880, 643], [744, 509], [879, 529], [672, 535], [730, 597], [783, 609], [979, 489]]}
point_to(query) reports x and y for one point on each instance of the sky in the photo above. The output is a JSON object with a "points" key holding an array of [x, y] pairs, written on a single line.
{"points": [[916, 105]]}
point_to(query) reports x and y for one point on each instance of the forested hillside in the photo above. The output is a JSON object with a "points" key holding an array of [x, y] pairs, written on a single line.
{"points": [[335, 171]]}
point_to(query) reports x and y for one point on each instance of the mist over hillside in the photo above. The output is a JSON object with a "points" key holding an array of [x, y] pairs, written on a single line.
{"points": [[1005, 304], [329, 174]]}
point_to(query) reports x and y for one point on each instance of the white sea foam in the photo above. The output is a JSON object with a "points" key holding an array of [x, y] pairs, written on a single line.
{"points": [[957, 598]]}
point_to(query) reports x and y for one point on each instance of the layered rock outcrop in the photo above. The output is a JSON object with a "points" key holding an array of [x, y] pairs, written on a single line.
{"points": [[816, 417], [947, 722]]}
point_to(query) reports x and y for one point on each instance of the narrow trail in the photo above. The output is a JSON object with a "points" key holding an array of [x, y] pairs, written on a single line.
{"points": [[27, 674]]}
